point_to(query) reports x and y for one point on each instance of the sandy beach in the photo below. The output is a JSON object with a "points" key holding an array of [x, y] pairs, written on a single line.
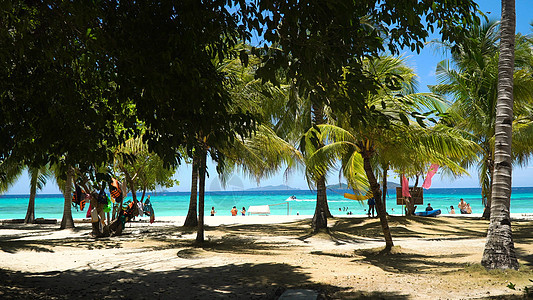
{"points": [[260, 257]]}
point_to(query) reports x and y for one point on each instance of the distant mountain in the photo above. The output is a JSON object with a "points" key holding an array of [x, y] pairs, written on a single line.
{"points": [[281, 187], [392, 185], [338, 186], [344, 186]]}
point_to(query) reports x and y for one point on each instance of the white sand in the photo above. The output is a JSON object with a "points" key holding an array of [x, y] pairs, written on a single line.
{"points": [[252, 257]]}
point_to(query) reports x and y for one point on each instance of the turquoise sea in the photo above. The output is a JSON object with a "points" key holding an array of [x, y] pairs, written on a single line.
{"points": [[176, 203]]}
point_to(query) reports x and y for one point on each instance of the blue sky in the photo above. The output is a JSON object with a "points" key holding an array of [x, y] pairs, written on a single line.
{"points": [[424, 65]]}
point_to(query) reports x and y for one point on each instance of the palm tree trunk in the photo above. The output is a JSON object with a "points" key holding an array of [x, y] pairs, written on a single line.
{"points": [[67, 221], [131, 184], [201, 174], [376, 191], [488, 201], [192, 215], [499, 250], [322, 209], [384, 201], [30, 214], [320, 219]]}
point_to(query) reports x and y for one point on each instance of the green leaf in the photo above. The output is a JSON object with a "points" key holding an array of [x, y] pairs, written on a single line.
{"points": [[404, 119]]}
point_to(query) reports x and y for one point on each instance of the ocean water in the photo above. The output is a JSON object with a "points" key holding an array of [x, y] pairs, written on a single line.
{"points": [[177, 203]]}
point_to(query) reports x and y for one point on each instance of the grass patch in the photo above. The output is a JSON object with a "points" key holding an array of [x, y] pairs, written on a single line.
{"points": [[379, 251], [524, 272]]}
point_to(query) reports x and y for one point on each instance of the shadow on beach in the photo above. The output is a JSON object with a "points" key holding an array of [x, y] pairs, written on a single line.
{"points": [[264, 276], [246, 281]]}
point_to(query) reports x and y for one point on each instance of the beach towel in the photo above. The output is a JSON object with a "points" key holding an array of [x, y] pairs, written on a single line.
{"points": [[78, 199], [88, 215], [140, 208], [432, 171], [109, 205], [102, 197], [115, 190], [94, 215]]}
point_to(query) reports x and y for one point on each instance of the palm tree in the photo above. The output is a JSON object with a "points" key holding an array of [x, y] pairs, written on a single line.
{"points": [[384, 135], [202, 169], [143, 170], [471, 79], [291, 119], [192, 220], [11, 171], [499, 250], [67, 222], [38, 178]]}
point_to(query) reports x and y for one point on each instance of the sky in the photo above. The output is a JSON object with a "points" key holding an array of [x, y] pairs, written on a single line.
{"points": [[424, 65]]}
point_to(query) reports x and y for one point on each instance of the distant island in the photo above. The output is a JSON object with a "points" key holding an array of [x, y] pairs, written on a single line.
{"points": [[281, 187], [344, 186]]}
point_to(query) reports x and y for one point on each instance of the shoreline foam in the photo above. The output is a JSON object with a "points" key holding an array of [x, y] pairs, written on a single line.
{"points": [[270, 219]]}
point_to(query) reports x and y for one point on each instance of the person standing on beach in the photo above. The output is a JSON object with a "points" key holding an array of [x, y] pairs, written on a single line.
{"points": [[462, 206], [468, 208], [234, 211], [213, 211], [452, 210], [371, 206], [243, 211]]}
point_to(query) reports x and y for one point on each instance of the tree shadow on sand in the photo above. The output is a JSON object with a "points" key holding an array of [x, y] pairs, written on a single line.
{"points": [[411, 227], [525, 256], [246, 281], [296, 228], [399, 261]]}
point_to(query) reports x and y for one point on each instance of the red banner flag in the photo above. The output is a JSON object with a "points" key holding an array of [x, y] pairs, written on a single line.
{"points": [[432, 170], [405, 187]]}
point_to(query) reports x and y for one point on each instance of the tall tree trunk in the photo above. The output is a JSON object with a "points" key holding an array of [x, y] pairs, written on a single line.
{"points": [[201, 174], [30, 214], [67, 221], [133, 192], [322, 209], [384, 201], [320, 219], [131, 185], [143, 194], [192, 215], [376, 191], [488, 194], [499, 250]]}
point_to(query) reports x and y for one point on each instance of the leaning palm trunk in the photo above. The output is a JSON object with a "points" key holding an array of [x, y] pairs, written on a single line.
{"points": [[201, 174], [192, 215], [30, 214], [67, 221], [499, 250], [376, 191], [384, 199]]}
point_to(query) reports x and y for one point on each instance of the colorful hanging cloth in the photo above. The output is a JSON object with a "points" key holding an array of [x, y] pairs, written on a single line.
{"points": [[405, 187], [432, 171]]}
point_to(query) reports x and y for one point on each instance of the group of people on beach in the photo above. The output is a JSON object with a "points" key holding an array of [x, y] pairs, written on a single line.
{"points": [[234, 211], [464, 207], [345, 208]]}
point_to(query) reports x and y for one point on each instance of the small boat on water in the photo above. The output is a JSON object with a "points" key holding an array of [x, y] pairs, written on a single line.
{"points": [[291, 198], [430, 213]]}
